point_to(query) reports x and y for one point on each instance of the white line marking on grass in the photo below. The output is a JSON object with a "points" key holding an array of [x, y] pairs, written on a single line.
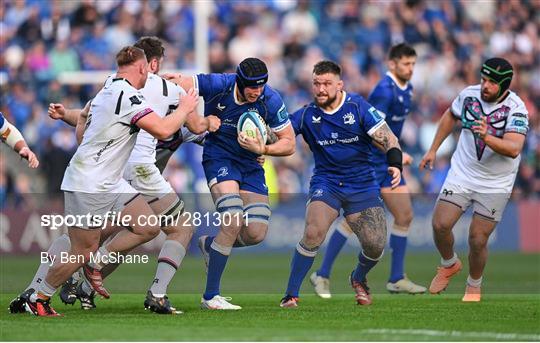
{"points": [[462, 334]]}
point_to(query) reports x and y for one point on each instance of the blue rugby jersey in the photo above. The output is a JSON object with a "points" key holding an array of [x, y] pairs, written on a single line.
{"points": [[394, 104], [340, 141], [218, 91]]}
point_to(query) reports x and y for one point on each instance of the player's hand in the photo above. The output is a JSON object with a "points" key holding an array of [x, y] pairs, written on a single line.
{"points": [[480, 127], [261, 159], [56, 111], [428, 160], [173, 77], [396, 176], [255, 145], [213, 123], [189, 102], [407, 159], [27, 154]]}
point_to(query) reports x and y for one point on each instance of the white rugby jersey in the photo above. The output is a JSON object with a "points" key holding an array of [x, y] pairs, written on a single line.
{"points": [[110, 135], [163, 96], [474, 164]]}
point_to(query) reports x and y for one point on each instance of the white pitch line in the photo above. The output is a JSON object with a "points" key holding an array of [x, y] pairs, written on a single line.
{"points": [[463, 334]]}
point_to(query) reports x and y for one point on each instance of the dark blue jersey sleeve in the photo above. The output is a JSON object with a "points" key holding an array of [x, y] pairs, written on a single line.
{"points": [[279, 117], [296, 120], [370, 118], [381, 98], [208, 85]]}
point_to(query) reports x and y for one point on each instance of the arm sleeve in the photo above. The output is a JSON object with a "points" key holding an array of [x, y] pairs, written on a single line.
{"points": [[296, 121], [209, 84], [518, 121], [278, 114], [457, 105], [133, 107], [381, 98], [370, 118]]}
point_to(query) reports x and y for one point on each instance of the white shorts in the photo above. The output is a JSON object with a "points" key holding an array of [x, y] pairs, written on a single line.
{"points": [[488, 205], [81, 204], [146, 179]]}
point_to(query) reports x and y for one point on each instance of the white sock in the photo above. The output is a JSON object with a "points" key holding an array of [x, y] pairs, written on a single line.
{"points": [[449, 262], [474, 282]]}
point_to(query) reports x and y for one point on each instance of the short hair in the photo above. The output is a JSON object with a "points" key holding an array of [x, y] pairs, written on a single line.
{"points": [[399, 50], [152, 47], [324, 67], [128, 55]]}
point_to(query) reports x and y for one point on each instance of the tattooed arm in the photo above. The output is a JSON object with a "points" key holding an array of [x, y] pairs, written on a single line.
{"points": [[384, 139]]}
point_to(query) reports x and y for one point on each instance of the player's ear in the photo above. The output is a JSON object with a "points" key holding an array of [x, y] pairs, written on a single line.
{"points": [[340, 85]]}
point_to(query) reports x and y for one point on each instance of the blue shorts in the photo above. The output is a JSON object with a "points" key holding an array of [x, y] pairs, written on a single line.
{"points": [[342, 195], [384, 179], [250, 176]]}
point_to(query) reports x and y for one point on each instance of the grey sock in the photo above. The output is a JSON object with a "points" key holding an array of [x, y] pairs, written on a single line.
{"points": [[170, 258], [59, 245]]}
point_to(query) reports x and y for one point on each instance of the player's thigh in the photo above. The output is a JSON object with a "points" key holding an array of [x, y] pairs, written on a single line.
{"points": [[319, 218], [84, 240], [398, 202], [480, 230], [445, 215], [256, 214], [224, 188], [139, 217]]}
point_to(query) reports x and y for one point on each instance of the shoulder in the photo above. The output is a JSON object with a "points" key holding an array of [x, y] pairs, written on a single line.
{"points": [[515, 103], [471, 90], [355, 99]]}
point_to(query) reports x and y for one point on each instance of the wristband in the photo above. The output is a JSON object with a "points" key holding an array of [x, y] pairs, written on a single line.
{"points": [[394, 158]]}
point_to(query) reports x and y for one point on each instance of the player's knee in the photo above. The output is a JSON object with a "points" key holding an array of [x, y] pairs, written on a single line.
{"points": [[313, 236], [404, 218], [440, 225], [253, 237], [477, 242], [373, 250]]}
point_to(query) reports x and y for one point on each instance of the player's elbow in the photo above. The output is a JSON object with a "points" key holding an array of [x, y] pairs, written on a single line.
{"points": [[291, 148], [162, 133], [514, 153]]}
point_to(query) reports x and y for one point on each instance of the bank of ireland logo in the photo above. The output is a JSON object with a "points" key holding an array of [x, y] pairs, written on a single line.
{"points": [[317, 193], [349, 118], [334, 135], [223, 171]]}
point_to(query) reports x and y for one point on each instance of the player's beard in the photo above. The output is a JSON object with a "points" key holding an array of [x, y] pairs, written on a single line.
{"points": [[487, 97], [326, 103]]}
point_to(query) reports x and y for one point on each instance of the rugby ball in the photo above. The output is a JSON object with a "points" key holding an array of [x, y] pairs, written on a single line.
{"points": [[249, 122]]}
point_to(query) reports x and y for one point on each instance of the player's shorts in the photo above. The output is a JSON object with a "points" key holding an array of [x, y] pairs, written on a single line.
{"points": [[147, 180], [250, 176], [79, 204], [384, 179], [343, 195], [487, 205]]}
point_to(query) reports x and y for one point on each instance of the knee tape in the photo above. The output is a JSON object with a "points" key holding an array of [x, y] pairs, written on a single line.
{"points": [[258, 212]]}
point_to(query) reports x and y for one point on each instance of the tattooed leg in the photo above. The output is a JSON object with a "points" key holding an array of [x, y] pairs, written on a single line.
{"points": [[369, 226]]}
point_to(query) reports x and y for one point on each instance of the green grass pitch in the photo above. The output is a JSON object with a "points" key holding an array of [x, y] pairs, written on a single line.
{"points": [[510, 308]]}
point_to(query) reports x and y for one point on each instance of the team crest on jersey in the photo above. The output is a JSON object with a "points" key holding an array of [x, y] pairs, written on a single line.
{"points": [[135, 100], [496, 121], [315, 120], [334, 135], [223, 171], [317, 193], [349, 118]]}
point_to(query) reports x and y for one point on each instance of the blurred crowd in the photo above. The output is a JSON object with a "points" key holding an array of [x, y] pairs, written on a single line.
{"points": [[39, 40]]}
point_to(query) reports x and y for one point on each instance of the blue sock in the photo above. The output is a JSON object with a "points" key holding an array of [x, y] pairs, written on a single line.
{"points": [[300, 266], [398, 244], [216, 265], [207, 242], [336, 243], [364, 266]]}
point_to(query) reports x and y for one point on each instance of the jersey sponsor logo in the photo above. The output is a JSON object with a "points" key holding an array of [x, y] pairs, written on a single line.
{"points": [[496, 121], [220, 106], [349, 118], [100, 152], [315, 120], [325, 142], [223, 171], [334, 135], [375, 114], [518, 122], [447, 192], [282, 113]]}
